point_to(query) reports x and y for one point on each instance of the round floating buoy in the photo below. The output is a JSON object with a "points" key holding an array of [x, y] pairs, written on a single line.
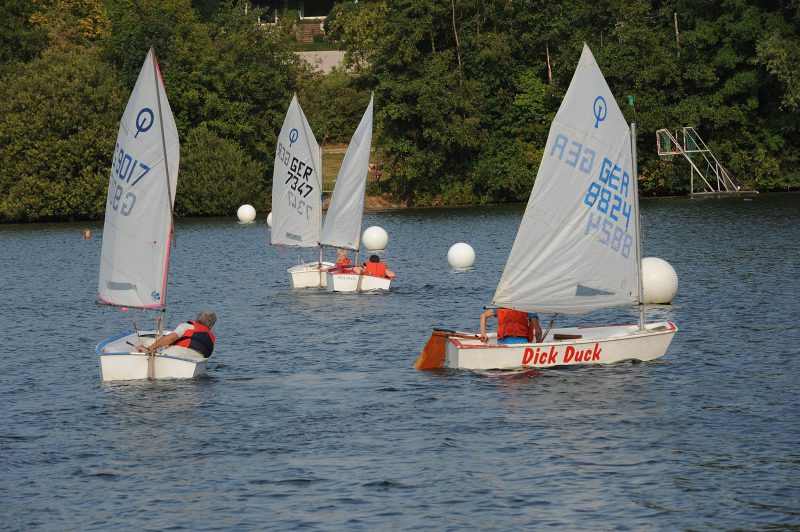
{"points": [[269, 220], [461, 255], [659, 280], [375, 238], [246, 213]]}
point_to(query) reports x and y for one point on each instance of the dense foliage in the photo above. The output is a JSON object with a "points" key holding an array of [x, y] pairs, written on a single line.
{"points": [[465, 93], [64, 88], [464, 89]]}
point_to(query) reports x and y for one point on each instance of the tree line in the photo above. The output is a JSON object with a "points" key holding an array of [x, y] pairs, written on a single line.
{"points": [[465, 91]]}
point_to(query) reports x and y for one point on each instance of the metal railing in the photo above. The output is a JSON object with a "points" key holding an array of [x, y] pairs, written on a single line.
{"points": [[713, 178]]}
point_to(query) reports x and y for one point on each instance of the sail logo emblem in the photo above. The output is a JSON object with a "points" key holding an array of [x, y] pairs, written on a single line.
{"points": [[155, 295], [144, 121], [293, 134], [600, 111]]}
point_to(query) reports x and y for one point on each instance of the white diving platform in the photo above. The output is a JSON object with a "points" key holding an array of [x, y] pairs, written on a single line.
{"points": [[713, 178]]}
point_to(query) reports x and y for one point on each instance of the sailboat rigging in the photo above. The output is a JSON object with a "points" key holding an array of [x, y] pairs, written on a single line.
{"points": [[297, 195], [342, 227], [138, 229], [578, 245]]}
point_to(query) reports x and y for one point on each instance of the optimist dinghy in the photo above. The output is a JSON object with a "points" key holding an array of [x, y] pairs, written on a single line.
{"points": [[342, 227], [134, 261], [297, 196], [577, 248]]}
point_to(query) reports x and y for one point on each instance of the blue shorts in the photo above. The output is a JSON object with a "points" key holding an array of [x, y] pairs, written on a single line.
{"points": [[513, 340]]}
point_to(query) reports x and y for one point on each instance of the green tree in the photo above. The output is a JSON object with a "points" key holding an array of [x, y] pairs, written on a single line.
{"points": [[70, 23], [334, 105], [217, 176], [58, 123], [20, 39]]}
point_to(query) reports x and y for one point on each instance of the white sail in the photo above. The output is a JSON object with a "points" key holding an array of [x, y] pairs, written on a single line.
{"points": [[343, 222], [296, 183], [144, 174], [576, 249]]}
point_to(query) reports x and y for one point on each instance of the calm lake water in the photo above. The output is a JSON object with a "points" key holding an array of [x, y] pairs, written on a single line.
{"points": [[311, 416]]}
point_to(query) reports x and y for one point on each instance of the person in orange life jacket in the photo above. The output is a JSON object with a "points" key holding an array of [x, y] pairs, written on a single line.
{"points": [[195, 335], [513, 326], [342, 260], [374, 267]]}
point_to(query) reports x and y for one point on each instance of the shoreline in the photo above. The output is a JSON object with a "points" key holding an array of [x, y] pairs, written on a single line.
{"points": [[381, 203]]}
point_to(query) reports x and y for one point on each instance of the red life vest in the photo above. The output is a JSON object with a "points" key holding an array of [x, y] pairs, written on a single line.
{"points": [[375, 269], [513, 323], [201, 339], [342, 266]]}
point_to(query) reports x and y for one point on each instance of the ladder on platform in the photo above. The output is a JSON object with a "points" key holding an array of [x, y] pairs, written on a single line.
{"points": [[713, 178]]}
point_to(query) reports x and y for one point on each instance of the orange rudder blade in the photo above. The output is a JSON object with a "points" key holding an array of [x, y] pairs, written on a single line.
{"points": [[432, 355]]}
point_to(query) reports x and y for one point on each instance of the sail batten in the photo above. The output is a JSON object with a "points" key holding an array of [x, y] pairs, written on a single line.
{"points": [[345, 213], [575, 250], [296, 183], [138, 220]]}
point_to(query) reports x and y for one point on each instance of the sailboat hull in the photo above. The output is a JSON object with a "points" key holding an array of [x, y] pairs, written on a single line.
{"points": [[120, 361], [595, 345], [350, 282], [309, 275]]}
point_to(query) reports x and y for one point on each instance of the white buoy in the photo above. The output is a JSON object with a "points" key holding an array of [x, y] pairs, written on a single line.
{"points": [[461, 255], [375, 238], [269, 220], [246, 213], [659, 280]]}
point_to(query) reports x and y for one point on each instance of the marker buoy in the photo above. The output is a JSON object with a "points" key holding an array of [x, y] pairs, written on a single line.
{"points": [[246, 213], [375, 238], [659, 280], [269, 220], [461, 255]]}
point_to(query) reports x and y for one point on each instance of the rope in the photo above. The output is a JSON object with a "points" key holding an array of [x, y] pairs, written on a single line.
{"points": [[549, 326]]}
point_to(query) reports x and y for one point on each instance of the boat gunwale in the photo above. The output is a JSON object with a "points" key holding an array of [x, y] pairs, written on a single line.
{"points": [[310, 267], [577, 341], [101, 345]]}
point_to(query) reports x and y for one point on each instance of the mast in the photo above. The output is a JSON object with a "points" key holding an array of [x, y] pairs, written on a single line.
{"points": [[321, 203], [635, 168], [157, 77], [319, 218]]}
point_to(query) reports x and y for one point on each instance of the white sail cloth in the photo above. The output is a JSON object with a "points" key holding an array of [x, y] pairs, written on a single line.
{"points": [[343, 222], [296, 183], [576, 246], [141, 192]]}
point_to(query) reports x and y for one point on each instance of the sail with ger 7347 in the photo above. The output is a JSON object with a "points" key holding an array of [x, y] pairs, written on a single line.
{"points": [[296, 183]]}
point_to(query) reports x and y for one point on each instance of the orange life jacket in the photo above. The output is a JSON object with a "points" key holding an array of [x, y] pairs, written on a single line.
{"points": [[376, 269], [344, 263], [201, 339], [513, 323]]}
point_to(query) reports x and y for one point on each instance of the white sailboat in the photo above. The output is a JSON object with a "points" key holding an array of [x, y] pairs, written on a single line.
{"points": [[297, 196], [134, 260], [342, 227], [577, 248]]}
